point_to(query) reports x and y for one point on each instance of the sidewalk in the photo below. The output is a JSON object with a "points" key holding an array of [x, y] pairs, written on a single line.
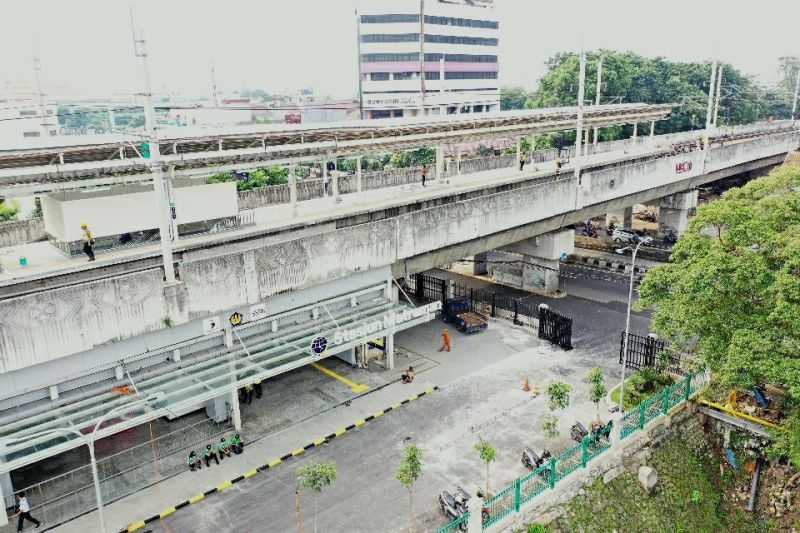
{"points": [[266, 451]]}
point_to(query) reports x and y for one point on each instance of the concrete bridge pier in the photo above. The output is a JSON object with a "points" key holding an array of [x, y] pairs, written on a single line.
{"points": [[674, 211], [480, 267], [541, 259], [621, 220]]}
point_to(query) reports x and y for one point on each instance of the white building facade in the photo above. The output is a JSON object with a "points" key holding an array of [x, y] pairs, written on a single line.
{"points": [[23, 121], [428, 57]]}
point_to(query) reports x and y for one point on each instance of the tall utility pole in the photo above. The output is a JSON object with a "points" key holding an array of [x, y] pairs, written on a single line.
{"points": [[161, 185], [597, 92], [41, 100], [360, 73], [214, 93], [422, 54], [579, 129], [710, 107], [719, 88], [796, 93]]}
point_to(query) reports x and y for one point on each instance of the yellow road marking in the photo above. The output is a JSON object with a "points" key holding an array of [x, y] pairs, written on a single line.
{"points": [[413, 398], [224, 486], [378, 414], [167, 512], [357, 388], [298, 451], [275, 463], [319, 442], [360, 423], [341, 432], [197, 498], [429, 391], [397, 406], [136, 526], [251, 473]]}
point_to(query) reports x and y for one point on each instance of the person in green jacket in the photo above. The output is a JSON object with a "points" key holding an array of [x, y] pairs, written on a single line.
{"points": [[193, 461], [209, 454], [236, 444], [223, 449]]}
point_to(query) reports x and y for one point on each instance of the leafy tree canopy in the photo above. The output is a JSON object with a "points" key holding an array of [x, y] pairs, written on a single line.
{"points": [[733, 286], [629, 77]]}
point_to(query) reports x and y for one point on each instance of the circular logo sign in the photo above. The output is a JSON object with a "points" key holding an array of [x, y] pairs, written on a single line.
{"points": [[236, 319], [319, 344]]}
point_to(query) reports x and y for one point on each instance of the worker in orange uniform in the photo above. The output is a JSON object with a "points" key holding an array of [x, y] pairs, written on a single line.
{"points": [[445, 341]]}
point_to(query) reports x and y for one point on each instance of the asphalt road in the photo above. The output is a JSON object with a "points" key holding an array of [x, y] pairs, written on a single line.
{"points": [[367, 497]]}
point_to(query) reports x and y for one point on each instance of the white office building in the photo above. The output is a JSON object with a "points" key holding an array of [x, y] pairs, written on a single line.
{"points": [[24, 121], [428, 57]]}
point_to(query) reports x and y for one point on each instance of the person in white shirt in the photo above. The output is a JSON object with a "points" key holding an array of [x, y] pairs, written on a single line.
{"points": [[24, 512]]}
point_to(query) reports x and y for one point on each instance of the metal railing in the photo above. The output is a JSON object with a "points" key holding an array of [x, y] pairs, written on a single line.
{"points": [[525, 489]]}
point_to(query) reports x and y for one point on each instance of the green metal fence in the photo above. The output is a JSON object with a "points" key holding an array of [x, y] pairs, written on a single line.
{"points": [[524, 489]]}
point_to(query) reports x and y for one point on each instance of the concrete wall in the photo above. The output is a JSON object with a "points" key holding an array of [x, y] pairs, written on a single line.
{"points": [[21, 231]]}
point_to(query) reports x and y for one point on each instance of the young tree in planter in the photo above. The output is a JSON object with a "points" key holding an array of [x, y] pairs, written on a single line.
{"points": [[316, 476], [487, 454], [597, 390], [557, 399], [408, 473]]}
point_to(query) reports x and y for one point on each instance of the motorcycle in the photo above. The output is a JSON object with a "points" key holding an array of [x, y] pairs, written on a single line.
{"points": [[670, 238], [610, 229], [456, 504], [578, 432], [531, 460]]}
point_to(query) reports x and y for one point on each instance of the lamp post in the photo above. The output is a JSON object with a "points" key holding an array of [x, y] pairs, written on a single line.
{"points": [[627, 331], [89, 440]]}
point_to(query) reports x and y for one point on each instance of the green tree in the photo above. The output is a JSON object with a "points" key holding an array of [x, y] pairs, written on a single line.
{"points": [[597, 388], [408, 473], [731, 292], [513, 98], [488, 454], [628, 78], [316, 477], [8, 210], [557, 399]]}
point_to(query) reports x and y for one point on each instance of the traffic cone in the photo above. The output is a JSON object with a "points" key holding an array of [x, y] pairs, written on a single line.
{"points": [[526, 386]]}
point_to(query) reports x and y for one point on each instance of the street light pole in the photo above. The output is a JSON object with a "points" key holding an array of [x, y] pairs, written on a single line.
{"points": [[627, 331], [89, 440], [796, 91]]}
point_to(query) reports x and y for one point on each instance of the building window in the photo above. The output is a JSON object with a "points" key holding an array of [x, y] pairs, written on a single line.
{"points": [[397, 113], [464, 23], [53, 133], [27, 113], [390, 38], [457, 39], [461, 58], [379, 76], [49, 111], [384, 19], [477, 108], [406, 75], [384, 58], [380, 114], [432, 76], [470, 75], [30, 134]]}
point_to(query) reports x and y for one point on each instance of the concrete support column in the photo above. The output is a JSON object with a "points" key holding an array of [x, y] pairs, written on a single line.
{"points": [[586, 141], [635, 130], [480, 266], [627, 218], [6, 495], [358, 174], [439, 163], [293, 189], [475, 507], [541, 259], [652, 128], [594, 137], [236, 413], [674, 211], [458, 161], [325, 177], [390, 349]]}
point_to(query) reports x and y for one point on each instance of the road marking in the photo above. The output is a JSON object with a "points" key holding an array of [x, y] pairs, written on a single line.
{"points": [[357, 388], [299, 451]]}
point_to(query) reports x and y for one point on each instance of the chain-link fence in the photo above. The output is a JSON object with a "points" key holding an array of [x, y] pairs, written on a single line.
{"points": [[72, 494]]}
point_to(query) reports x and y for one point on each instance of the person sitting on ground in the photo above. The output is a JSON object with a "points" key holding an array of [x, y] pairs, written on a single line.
{"points": [[209, 454], [236, 444], [409, 376], [223, 448], [194, 461]]}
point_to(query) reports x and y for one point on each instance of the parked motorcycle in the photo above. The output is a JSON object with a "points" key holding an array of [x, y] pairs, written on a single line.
{"points": [[456, 504], [578, 432], [610, 229], [531, 460], [670, 238]]}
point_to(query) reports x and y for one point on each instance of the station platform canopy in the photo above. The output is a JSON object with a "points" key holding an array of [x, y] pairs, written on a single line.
{"points": [[261, 349]]}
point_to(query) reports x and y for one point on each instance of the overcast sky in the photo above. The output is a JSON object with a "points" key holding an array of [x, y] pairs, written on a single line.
{"points": [[85, 45]]}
